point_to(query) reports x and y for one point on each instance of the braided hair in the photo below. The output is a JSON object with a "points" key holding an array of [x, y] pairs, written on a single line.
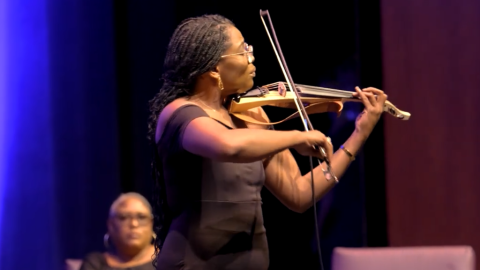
{"points": [[195, 48]]}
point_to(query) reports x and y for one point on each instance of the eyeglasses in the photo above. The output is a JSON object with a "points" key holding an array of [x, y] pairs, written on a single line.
{"points": [[125, 219], [248, 51]]}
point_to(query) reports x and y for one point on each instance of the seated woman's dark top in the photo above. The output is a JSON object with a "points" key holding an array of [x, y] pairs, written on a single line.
{"points": [[217, 215], [96, 261]]}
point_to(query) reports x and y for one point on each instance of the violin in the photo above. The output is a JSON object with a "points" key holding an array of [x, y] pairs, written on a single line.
{"points": [[315, 100]]}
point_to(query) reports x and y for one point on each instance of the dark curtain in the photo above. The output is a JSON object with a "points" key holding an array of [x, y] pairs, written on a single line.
{"points": [[430, 63], [73, 116], [59, 130]]}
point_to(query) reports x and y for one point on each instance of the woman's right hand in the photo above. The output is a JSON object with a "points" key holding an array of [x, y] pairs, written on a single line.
{"points": [[311, 139]]}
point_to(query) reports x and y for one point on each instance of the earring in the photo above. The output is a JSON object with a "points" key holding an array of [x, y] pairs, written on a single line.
{"points": [[154, 237], [220, 84], [105, 240]]}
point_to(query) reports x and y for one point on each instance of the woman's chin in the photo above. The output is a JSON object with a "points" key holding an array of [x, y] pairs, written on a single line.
{"points": [[243, 90], [134, 243], [248, 86], [239, 89]]}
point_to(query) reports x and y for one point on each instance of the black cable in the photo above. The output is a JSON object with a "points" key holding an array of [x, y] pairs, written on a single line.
{"points": [[317, 233]]}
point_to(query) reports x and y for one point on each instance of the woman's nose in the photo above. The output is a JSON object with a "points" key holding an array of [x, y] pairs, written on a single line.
{"points": [[134, 222]]}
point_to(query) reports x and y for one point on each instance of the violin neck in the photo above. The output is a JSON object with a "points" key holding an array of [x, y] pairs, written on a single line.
{"points": [[312, 91]]}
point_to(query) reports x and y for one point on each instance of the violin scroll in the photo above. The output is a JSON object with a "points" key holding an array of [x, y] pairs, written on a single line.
{"points": [[394, 111]]}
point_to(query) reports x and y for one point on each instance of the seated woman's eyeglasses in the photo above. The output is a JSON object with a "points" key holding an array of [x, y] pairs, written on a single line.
{"points": [[248, 51], [124, 219]]}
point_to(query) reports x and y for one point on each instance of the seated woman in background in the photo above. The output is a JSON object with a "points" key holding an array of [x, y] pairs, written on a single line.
{"points": [[129, 238]]}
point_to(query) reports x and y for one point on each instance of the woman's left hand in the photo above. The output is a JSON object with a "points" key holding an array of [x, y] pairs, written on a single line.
{"points": [[373, 100]]}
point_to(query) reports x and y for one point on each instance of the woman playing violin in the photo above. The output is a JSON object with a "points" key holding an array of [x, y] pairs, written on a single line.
{"points": [[209, 168]]}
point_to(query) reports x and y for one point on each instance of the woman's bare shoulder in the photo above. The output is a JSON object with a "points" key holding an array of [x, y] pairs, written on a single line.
{"points": [[167, 112]]}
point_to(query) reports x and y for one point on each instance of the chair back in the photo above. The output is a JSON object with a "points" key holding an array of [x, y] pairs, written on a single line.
{"points": [[404, 258]]}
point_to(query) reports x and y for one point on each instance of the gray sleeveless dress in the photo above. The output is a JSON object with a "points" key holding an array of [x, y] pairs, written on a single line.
{"points": [[217, 208]]}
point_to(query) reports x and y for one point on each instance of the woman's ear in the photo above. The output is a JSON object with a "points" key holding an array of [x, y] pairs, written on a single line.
{"points": [[215, 73]]}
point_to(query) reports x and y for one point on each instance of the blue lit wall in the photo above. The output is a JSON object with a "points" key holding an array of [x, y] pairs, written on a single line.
{"points": [[27, 152], [58, 128], [3, 104]]}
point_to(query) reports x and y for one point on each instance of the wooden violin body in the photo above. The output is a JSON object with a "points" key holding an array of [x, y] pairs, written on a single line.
{"points": [[315, 100]]}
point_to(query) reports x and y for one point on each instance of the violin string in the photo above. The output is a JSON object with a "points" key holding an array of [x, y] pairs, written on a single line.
{"points": [[335, 92], [299, 106]]}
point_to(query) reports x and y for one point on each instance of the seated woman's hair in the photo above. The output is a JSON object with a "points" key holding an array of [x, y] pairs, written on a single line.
{"points": [[127, 195]]}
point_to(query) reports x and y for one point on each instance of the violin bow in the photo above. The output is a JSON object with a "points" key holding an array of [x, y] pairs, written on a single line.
{"points": [[298, 102]]}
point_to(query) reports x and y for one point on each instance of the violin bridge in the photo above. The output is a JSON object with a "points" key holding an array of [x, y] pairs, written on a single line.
{"points": [[282, 90]]}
